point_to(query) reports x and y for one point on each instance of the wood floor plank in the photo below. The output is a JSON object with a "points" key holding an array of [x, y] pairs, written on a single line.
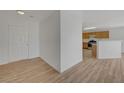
{"points": [[91, 70]]}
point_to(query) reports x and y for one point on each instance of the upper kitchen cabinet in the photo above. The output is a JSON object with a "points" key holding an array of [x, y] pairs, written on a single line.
{"points": [[100, 34]]}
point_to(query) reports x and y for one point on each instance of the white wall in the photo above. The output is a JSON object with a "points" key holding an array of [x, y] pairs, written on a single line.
{"points": [[61, 39], [50, 40], [109, 49], [117, 33], [9, 18], [71, 38], [3, 42], [104, 18], [33, 39]]}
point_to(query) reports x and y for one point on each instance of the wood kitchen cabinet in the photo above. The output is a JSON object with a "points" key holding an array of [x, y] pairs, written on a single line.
{"points": [[98, 34], [94, 50], [85, 45]]}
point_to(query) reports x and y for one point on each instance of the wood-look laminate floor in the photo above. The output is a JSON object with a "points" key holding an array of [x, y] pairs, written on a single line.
{"points": [[91, 70]]}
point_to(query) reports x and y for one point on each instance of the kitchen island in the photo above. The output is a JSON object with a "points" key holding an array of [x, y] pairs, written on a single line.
{"points": [[107, 49]]}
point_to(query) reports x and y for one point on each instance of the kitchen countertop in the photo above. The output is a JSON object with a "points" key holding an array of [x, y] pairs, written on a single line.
{"points": [[87, 40]]}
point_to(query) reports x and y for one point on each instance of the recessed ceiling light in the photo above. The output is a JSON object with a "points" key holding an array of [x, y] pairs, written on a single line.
{"points": [[87, 28], [20, 12]]}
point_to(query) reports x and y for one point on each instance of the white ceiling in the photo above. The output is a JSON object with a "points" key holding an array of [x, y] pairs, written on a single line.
{"points": [[31, 15], [103, 18]]}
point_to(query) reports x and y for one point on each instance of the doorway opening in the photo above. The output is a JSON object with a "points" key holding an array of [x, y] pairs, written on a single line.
{"points": [[89, 40]]}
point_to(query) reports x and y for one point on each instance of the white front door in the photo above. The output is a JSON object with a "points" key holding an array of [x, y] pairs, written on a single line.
{"points": [[18, 42]]}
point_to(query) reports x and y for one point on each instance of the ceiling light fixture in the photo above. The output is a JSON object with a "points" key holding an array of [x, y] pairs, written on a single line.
{"points": [[20, 12], [87, 28]]}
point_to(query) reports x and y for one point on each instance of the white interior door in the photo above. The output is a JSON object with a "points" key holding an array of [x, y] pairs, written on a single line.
{"points": [[18, 42]]}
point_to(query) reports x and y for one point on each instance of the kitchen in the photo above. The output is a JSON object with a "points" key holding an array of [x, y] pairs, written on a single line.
{"points": [[98, 45]]}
